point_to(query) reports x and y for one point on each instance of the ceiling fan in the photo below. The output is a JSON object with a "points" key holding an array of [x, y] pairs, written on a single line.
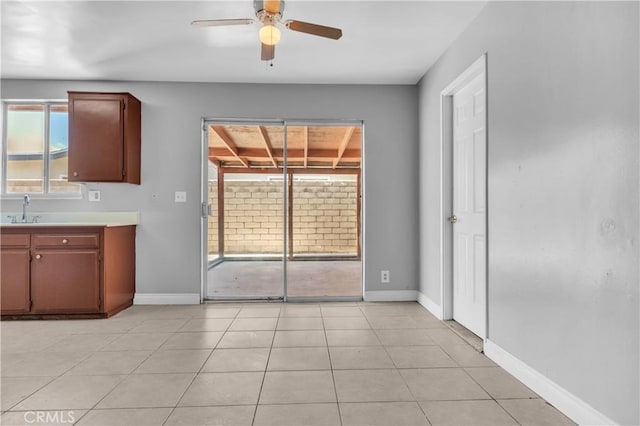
{"points": [[269, 13]]}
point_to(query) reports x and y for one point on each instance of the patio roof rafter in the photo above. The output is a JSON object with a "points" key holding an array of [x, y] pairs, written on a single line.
{"points": [[267, 144], [260, 146], [343, 145], [228, 142]]}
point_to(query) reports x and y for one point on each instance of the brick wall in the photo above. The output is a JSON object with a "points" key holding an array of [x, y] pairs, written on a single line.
{"points": [[324, 217], [253, 217]]}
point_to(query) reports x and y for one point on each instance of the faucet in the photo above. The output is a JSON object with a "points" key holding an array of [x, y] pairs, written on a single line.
{"points": [[25, 204]]}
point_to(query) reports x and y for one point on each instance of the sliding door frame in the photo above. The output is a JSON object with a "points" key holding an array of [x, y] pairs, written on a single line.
{"points": [[360, 210], [287, 180]]}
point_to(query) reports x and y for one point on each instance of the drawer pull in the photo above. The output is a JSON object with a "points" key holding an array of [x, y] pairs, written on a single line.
{"points": [[38, 256], [65, 241]]}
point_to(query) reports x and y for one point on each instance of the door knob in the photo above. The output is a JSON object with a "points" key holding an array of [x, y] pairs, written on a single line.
{"points": [[38, 256], [453, 219]]}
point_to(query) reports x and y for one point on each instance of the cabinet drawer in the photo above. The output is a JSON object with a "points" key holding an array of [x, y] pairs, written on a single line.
{"points": [[66, 240], [14, 240]]}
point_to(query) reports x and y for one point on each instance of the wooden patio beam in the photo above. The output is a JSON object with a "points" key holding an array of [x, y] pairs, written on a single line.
{"points": [[310, 155], [304, 171], [267, 144], [228, 142]]}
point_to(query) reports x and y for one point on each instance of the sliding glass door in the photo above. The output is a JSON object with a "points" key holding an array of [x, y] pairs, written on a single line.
{"points": [[324, 211], [283, 204], [246, 210]]}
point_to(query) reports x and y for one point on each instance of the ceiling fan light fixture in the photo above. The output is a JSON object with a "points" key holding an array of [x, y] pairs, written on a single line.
{"points": [[269, 14], [269, 35]]}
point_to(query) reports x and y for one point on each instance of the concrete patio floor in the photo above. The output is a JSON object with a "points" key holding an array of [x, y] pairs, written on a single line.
{"points": [[306, 278]]}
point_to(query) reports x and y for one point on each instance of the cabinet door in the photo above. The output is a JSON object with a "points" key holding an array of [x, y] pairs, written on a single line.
{"points": [[65, 281], [96, 139], [14, 281]]}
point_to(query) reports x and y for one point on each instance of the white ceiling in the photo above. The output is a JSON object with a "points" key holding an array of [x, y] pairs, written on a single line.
{"points": [[383, 42]]}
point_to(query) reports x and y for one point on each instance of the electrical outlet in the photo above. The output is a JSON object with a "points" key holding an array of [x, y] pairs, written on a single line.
{"points": [[181, 197], [94, 195], [385, 277]]}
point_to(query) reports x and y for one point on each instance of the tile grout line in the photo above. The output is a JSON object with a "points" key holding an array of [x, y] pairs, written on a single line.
{"points": [[461, 367], [122, 379], [282, 314], [266, 366], [333, 377], [195, 376], [401, 376], [491, 396], [124, 376], [69, 369]]}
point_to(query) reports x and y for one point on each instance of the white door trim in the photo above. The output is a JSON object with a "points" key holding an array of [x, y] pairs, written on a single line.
{"points": [[446, 184]]}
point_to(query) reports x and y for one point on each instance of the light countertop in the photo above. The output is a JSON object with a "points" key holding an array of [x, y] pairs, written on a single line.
{"points": [[107, 219]]}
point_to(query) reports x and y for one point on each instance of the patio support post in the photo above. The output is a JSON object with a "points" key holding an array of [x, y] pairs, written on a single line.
{"points": [[359, 212], [221, 213], [290, 214]]}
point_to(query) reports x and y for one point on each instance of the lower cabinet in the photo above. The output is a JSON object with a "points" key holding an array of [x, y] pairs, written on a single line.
{"points": [[72, 271], [65, 281], [15, 272]]}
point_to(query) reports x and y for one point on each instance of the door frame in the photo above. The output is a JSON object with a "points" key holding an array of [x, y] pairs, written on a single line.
{"points": [[478, 67], [204, 142], [339, 122], [204, 200]]}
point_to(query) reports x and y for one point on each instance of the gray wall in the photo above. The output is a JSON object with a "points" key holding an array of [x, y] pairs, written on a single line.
{"points": [[563, 190], [168, 240]]}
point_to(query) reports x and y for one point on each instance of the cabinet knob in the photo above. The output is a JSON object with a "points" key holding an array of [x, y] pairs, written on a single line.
{"points": [[75, 173], [38, 256], [65, 241]]}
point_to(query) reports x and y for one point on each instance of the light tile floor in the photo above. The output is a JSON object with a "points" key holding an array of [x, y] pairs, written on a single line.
{"points": [[257, 364]]}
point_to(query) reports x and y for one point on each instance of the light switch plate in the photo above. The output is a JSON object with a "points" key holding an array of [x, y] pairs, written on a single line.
{"points": [[181, 197], [94, 195]]}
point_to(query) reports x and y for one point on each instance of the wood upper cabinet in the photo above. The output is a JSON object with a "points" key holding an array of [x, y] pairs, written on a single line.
{"points": [[104, 137], [15, 274]]}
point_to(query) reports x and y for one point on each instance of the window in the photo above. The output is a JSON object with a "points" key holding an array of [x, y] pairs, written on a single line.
{"points": [[35, 149]]}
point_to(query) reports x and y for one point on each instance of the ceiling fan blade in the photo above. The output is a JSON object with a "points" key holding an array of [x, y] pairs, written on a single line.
{"points": [[314, 29], [268, 52], [222, 22]]}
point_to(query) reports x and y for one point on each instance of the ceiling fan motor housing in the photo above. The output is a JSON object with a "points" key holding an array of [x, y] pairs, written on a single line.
{"points": [[268, 7]]}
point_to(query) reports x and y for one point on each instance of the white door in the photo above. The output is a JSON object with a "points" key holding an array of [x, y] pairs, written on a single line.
{"points": [[469, 206]]}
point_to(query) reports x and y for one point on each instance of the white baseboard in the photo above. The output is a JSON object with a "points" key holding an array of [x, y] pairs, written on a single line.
{"points": [[569, 404], [430, 305], [166, 299], [391, 296]]}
